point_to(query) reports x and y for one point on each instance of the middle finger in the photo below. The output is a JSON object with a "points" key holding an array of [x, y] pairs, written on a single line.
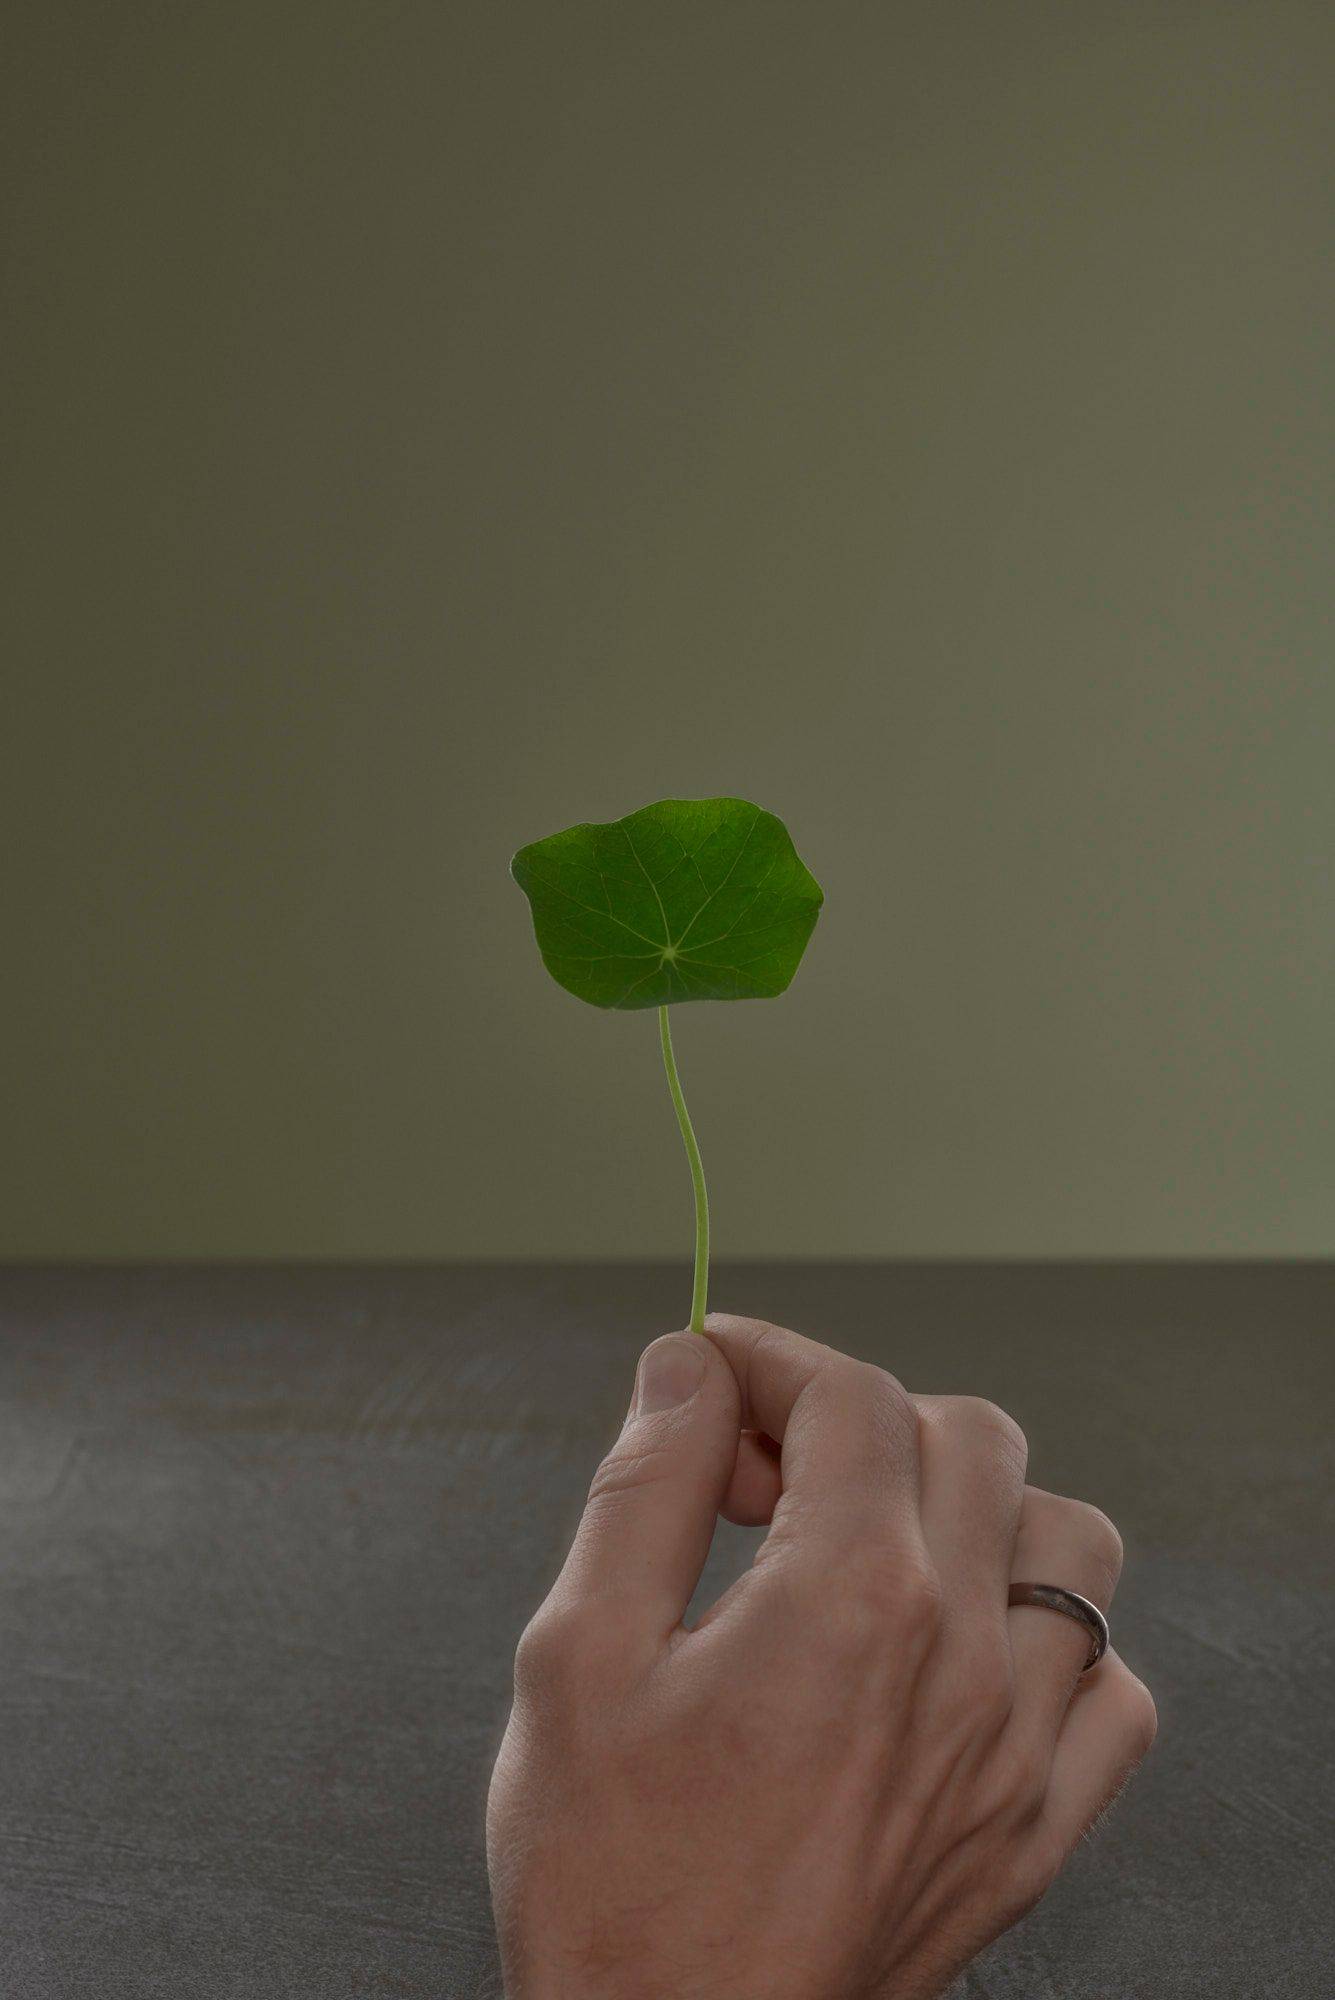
{"points": [[973, 1459]]}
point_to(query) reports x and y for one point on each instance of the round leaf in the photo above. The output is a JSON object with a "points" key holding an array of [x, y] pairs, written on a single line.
{"points": [[689, 899]]}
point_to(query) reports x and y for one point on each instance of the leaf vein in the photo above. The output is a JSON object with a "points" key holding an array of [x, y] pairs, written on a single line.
{"points": [[605, 915], [755, 898], [667, 928], [634, 983], [724, 883]]}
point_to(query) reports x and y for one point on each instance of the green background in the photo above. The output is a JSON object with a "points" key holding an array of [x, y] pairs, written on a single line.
{"points": [[427, 425]]}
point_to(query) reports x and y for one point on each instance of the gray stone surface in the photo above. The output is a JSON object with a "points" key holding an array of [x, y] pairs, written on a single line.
{"points": [[269, 1536]]}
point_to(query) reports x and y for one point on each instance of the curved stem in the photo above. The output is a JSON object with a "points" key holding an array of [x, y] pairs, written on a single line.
{"points": [[697, 1177]]}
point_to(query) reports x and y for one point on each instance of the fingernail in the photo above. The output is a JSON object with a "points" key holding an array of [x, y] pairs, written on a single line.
{"points": [[670, 1371]]}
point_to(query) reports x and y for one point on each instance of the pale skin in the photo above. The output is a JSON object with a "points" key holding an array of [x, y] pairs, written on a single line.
{"points": [[860, 1766]]}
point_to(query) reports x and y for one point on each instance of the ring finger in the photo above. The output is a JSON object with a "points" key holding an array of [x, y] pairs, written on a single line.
{"points": [[1071, 1544]]}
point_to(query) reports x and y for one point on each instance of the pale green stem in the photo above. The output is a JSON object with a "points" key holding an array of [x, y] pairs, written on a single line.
{"points": [[697, 1177]]}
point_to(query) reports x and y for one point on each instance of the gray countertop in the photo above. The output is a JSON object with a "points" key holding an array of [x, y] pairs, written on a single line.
{"points": [[270, 1533]]}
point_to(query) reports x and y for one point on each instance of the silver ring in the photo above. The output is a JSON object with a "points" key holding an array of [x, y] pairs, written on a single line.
{"points": [[1052, 1597]]}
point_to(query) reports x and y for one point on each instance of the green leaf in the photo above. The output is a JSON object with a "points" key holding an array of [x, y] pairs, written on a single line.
{"points": [[689, 899]]}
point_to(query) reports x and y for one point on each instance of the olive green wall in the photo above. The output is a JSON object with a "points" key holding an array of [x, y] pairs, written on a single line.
{"points": [[426, 425]]}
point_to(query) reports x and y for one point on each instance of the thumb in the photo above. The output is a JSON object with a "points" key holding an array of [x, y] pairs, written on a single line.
{"points": [[651, 1510]]}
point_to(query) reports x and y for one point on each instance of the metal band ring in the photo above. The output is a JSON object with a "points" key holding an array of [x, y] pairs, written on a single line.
{"points": [[1054, 1597]]}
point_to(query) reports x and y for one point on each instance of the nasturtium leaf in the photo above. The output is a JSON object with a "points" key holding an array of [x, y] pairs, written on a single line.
{"points": [[689, 899]]}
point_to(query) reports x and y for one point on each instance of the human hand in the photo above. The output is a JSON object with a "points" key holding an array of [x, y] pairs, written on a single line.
{"points": [[861, 1765]]}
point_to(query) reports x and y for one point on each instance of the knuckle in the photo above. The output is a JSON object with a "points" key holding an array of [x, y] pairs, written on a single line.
{"points": [[905, 1592], [889, 1398], [628, 1470], [1099, 1536], [994, 1425], [539, 1654], [874, 1418], [920, 1595], [874, 1594], [879, 1417], [776, 1350], [850, 1623], [1083, 1528], [560, 1651], [1142, 1718], [771, 1340], [986, 1425]]}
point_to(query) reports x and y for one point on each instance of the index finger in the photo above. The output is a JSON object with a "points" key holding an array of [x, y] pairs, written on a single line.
{"points": [[847, 1431]]}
